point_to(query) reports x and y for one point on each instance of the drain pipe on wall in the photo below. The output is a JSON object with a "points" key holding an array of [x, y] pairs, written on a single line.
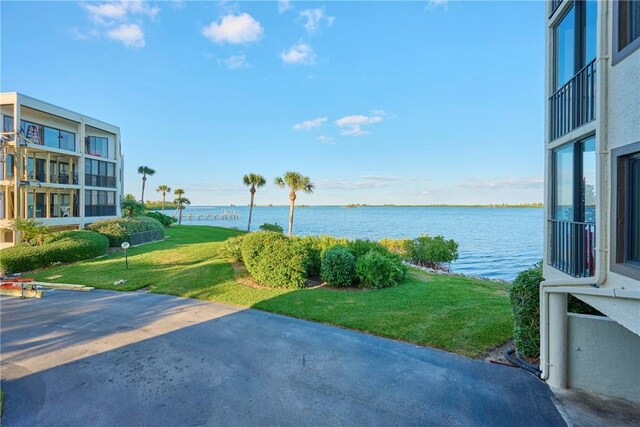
{"points": [[566, 286]]}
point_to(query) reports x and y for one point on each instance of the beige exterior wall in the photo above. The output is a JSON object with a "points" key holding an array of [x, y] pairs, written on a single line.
{"points": [[43, 180], [617, 124]]}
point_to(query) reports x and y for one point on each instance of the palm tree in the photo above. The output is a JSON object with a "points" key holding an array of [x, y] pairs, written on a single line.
{"points": [[145, 171], [253, 180], [164, 189], [130, 206], [295, 182], [181, 202]]}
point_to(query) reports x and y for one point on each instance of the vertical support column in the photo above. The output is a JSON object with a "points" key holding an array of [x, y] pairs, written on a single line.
{"points": [[557, 340], [18, 162], [81, 171], [47, 167], [47, 203]]}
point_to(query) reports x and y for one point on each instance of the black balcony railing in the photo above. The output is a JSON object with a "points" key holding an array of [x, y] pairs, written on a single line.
{"points": [[55, 178], [99, 180], [99, 210], [573, 247], [573, 105], [64, 178], [554, 6]]}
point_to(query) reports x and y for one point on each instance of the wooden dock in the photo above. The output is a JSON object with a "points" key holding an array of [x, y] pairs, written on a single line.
{"points": [[224, 215]]}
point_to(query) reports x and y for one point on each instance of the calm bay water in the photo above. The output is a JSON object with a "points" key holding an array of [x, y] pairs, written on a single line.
{"points": [[493, 242]]}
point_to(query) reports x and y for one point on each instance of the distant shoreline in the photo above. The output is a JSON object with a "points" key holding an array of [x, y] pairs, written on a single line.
{"points": [[354, 206]]}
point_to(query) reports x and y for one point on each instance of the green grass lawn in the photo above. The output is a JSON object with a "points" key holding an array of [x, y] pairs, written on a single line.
{"points": [[462, 315]]}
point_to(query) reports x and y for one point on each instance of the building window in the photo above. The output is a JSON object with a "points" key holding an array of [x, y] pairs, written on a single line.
{"points": [[626, 28], [99, 146], [99, 174], [572, 103], [43, 135], [99, 203], [575, 40], [573, 211], [626, 171]]}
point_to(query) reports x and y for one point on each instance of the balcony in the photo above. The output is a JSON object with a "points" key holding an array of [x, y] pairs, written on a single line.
{"points": [[573, 105], [99, 180], [65, 178], [573, 247]]}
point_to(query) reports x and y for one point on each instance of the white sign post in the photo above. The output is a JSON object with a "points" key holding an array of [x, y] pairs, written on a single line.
{"points": [[125, 246]]}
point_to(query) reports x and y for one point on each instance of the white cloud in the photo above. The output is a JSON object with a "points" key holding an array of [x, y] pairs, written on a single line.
{"points": [[235, 62], [503, 184], [234, 29], [326, 139], [283, 6], [352, 125], [432, 4], [130, 35], [314, 19], [118, 20], [310, 124], [300, 53], [119, 10]]}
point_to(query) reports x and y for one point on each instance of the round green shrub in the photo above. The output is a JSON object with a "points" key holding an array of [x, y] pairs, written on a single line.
{"points": [[64, 247], [119, 230], [231, 248], [377, 270], [274, 260], [431, 252], [338, 267], [525, 302], [314, 247]]}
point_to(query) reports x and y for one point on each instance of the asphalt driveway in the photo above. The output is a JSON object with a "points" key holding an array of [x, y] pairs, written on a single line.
{"points": [[105, 358]]}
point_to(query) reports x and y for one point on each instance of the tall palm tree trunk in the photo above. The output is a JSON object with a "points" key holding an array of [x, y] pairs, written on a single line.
{"points": [[164, 195], [180, 215], [292, 201], [253, 193], [144, 179]]}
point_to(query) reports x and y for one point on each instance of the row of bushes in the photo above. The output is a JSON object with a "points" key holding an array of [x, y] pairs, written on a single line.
{"points": [[275, 260], [119, 230], [63, 247]]}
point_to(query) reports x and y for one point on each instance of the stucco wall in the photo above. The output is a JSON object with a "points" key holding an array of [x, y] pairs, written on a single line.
{"points": [[603, 357]]}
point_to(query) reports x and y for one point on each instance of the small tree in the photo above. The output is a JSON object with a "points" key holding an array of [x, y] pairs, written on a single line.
{"points": [[144, 171], [181, 202], [32, 232], [296, 182], [164, 189], [131, 207], [253, 181]]}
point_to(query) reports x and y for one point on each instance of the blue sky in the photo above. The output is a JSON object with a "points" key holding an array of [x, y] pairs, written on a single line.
{"points": [[378, 102]]}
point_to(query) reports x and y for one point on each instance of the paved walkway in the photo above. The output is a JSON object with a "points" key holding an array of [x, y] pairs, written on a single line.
{"points": [[104, 358]]}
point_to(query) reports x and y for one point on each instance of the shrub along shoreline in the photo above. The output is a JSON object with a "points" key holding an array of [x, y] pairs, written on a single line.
{"points": [[275, 260], [457, 314]]}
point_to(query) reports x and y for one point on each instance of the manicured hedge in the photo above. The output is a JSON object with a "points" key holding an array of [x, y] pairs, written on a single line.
{"points": [[232, 248], [274, 260], [525, 301], [64, 247], [119, 230], [338, 267]]}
